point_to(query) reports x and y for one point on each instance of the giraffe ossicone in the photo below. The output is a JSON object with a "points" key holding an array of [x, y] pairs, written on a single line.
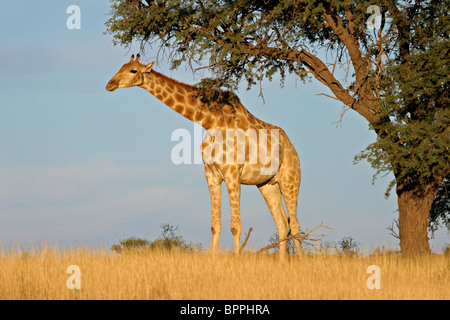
{"points": [[238, 149]]}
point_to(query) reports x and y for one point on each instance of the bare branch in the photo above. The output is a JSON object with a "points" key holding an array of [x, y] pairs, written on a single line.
{"points": [[392, 228], [305, 238], [327, 95], [246, 239]]}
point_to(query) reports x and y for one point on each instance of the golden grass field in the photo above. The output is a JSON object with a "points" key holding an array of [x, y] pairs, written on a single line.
{"points": [[163, 274]]}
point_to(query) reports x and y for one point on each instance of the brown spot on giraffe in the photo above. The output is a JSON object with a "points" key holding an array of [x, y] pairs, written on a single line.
{"points": [[170, 101], [179, 108], [179, 97]]}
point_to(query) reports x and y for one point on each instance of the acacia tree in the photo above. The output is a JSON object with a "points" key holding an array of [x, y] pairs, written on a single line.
{"points": [[386, 60]]}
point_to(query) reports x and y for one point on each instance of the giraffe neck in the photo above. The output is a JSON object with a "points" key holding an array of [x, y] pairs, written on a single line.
{"points": [[178, 96]]}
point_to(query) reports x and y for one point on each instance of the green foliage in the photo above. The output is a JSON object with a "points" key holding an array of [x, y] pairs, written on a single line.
{"points": [[168, 240], [218, 33], [131, 243], [440, 210], [413, 123], [210, 94]]}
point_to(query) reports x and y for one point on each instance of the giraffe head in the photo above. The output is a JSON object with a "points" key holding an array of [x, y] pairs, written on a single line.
{"points": [[131, 74]]}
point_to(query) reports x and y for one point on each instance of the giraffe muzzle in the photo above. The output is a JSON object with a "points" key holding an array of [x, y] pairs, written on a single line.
{"points": [[112, 85]]}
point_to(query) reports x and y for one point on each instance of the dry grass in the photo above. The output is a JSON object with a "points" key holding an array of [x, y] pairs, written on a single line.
{"points": [[41, 274]]}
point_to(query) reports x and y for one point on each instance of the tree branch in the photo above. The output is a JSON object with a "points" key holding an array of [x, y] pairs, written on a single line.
{"points": [[317, 68], [246, 239], [360, 65], [305, 238]]}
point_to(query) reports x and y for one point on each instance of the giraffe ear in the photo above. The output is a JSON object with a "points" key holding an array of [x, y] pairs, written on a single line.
{"points": [[149, 66]]}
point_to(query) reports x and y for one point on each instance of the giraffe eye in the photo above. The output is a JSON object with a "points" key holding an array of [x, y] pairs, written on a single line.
{"points": [[133, 71]]}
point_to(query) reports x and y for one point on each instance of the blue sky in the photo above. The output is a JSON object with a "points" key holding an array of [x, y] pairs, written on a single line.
{"points": [[80, 165]]}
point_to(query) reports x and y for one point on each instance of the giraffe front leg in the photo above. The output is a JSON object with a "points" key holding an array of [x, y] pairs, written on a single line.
{"points": [[234, 194], [215, 193], [214, 186]]}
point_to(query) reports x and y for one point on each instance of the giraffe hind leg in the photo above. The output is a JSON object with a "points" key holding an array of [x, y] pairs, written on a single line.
{"points": [[290, 191], [272, 195], [294, 225]]}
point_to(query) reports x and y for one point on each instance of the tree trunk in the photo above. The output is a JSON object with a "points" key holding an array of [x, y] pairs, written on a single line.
{"points": [[414, 210]]}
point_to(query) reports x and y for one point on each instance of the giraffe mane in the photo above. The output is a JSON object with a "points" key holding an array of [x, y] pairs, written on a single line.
{"points": [[216, 96], [173, 81]]}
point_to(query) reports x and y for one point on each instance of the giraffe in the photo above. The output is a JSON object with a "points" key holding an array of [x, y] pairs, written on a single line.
{"points": [[228, 117]]}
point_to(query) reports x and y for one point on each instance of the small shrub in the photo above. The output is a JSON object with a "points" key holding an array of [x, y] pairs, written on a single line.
{"points": [[168, 240], [348, 246], [131, 244], [446, 249], [290, 245]]}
